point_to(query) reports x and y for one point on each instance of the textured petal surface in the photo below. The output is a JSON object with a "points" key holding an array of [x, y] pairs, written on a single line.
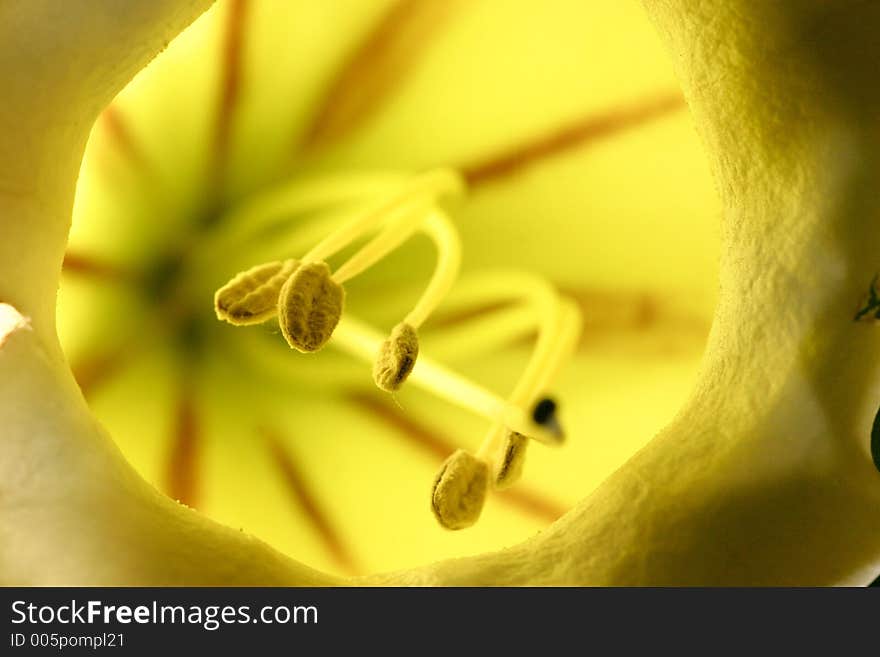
{"points": [[141, 195], [764, 477], [64, 482]]}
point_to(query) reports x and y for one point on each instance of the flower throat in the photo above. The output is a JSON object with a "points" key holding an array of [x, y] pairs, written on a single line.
{"points": [[307, 299]]}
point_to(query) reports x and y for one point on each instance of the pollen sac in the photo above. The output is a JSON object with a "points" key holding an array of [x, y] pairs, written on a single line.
{"points": [[309, 307], [251, 297], [509, 468], [396, 358], [460, 491]]}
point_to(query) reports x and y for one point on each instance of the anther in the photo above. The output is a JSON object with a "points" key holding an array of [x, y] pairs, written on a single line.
{"points": [[396, 358], [309, 302], [363, 341], [398, 353], [423, 188], [460, 490], [558, 322], [509, 469], [251, 297], [309, 307]]}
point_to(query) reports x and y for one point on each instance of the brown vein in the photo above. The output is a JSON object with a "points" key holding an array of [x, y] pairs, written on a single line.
{"points": [[94, 267], [613, 313], [303, 497], [610, 313], [375, 68], [181, 476], [230, 85], [121, 137], [530, 502], [91, 372], [578, 134]]}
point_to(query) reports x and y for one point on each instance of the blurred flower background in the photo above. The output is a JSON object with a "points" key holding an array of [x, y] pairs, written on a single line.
{"points": [[566, 120]]}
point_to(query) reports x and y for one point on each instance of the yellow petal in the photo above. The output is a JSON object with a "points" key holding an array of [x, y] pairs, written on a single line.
{"points": [[65, 483], [75, 512], [765, 476], [60, 64]]}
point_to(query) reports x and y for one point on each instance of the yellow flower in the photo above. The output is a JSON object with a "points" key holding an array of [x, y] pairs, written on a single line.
{"points": [[301, 451], [689, 508]]}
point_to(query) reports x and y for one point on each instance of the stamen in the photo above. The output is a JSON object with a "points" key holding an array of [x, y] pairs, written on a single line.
{"points": [[309, 302], [555, 326], [378, 196], [431, 185], [288, 202], [448, 245], [309, 307], [513, 453], [251, 297], [481, 333], [363, 341], [396, 360], [514, 456], [558, 324], [397, 357], [530, 501], [460, 490], [509, 467], [523, 300], [400, 227]]}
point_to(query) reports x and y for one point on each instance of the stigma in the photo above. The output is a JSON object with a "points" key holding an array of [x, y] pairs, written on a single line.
{"points": [[306, 297]]}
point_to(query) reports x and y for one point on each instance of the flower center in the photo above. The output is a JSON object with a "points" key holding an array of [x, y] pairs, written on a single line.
{"points": [[307, 298]]}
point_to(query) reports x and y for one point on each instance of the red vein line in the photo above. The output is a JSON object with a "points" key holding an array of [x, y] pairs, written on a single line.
{"points": [[93, 371], [91, 266], [585, 131], [183, 456], [301, 494], [531, 502], [611, 312], [122, 138], [375, 68], [230, 88]]}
